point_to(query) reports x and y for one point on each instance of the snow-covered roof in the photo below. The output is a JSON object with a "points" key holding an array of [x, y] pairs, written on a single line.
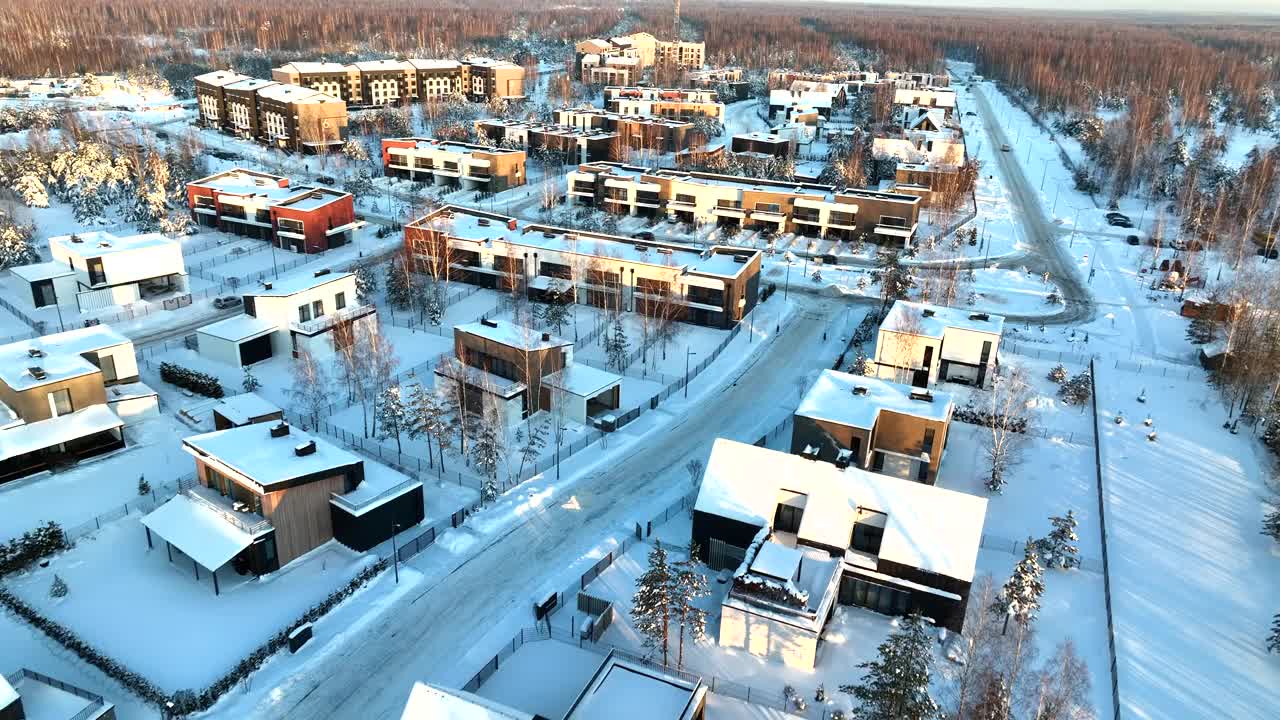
{"points": [[311, 198], [42, 271], [251, 452], [298, 283], [777, 561], [491, 63], [927, 527], [31, 437], [806, 98], [758, 136], [927, 320], [7, 694], [431, 702], [252, 84], [380, 485], [287, 92], [623, 690], [238, 328], [129, 391], [98, 243], [58, 355], [383, 65], [315, 67], [857, 400], [199, 530], [220, 78], [247, 182], [510, 334], [941, 97], [54, 700], [582, 380], [425, 64], [241, 409], [453, 146]]}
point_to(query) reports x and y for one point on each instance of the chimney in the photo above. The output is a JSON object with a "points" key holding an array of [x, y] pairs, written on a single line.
{"points": [[860, 390], [546, 337], [306, 448], [280, 429], [266, 286]]}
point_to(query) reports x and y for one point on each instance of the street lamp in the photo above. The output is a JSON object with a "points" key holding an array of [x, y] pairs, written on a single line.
{"points": [[1075, 224], [1045, 174], [395, 554], [688, 352]]}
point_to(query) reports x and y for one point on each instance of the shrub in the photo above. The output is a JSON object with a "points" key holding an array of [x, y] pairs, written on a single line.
{"points": [[20, 553], [59, 587], [1078, 389], [1058, 374], [197, 382]]}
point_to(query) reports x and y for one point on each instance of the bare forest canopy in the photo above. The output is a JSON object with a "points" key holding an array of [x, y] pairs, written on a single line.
{"points": [[1066, 62]]}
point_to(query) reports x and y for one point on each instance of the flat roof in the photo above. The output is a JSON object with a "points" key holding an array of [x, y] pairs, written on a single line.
{"points": [[298, 283], [376, 65], [242, 408], [777, 561], [927, 527], [913, 318], [252, 452], [42, 271], [61, 356], [582, 380], [428, 64], [431, 702], [835, 397], [238, 328], [311, 198], [200, 531], [315, 67], [96, 243], [510, 334], [426, 143], [255, 84], [242, 181], [220, 78], [380, 485], [288, 92], [623, 690], [31, 437]]}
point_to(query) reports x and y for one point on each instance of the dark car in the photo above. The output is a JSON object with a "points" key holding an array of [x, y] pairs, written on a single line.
{"points": [[225, 302], [1133, 240], [643, 235], [971, 113], [326, 179], [1118, 220]]}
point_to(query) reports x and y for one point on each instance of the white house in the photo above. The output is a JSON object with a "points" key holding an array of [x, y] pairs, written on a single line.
{"points": [[288, 317], [923, 344], [107, 270]]}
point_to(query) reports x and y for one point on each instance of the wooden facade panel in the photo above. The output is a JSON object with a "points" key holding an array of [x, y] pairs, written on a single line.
{"points": [[301, 516], [33, 404]]}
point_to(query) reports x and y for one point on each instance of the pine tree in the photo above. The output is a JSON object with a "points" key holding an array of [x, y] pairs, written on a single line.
{"points": [[393, 416], [555, 314], [31, 189], [1273, 640], [144, 487], [1271, 523], [530, 443], [994, 703], [652, 601], [399, 291], [1200, 331], [249, 383], [359, 184], [1019, 599], [1058, 374], [616, 345], [1060, 547], [355, 150], [487, 445], [896, 281], [1078, 389], [426, 417], [862, 364], [59, 587], [16, 247], [896, 685], [366, 283], [687, 586]]}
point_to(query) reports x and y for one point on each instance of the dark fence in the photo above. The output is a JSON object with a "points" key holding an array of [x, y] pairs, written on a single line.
{"points": [[95, 701], [1106, 565], [142, 505]]}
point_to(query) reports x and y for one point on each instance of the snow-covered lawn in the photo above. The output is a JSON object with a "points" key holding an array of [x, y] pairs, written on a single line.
{"points": [[135, 605], [100, 485], [1194, 582]]}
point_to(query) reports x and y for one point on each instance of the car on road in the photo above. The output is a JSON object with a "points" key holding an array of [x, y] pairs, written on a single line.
{"points": [[1116, 219], [326, 179], [1005, 148], [643, 235], [227, 301], [1133, 240], [971, 113]]}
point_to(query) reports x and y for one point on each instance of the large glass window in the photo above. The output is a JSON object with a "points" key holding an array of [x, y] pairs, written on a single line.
{"points": [[317, 308], [787, 518], [60, 402], [880, 598], [304, 313], [867, 538]]}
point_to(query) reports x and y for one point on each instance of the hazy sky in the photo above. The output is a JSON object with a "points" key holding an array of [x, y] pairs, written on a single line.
{"points": [[1220, 7]]}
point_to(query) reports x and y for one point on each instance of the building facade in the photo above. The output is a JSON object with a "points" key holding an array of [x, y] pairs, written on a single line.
{"points": [[921, 344], [456, 164], [574, 145], [303, 219]]}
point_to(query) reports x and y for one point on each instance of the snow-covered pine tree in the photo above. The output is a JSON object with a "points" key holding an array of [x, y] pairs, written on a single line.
{"points": [[896, 280], [399, 290], [652, 601], [90, 86], [1060, 546], [249, 383], [1271, 523], [59, 587], [144, 487], [555, 314], [896, 684], [355, 150], [151, 195], [1078, 389], [16, 247], [431, 300], [861, 364], [393, 415], [1273, 640], [359, 184], [995, 701], [1019, 599], [366, 283], [530, 443], [1058, 374], [30, 188], [616, 345], [1200, 331], [487, 445], [688, 585]]}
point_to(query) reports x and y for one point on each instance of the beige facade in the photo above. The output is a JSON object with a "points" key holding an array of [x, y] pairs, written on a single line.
{"points": [[477, 167]]}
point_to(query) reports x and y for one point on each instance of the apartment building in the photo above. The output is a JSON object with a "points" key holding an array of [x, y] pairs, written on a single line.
{"points": [[211, 97], [438, 79], [684, 104], [294, 117], [914, 80], [715, 286], [761, 144], [923, 345], [574, 144], [316, 315], [637, 132], [646, 49], [268, 493], [732, 77], [899, 547], [383, 82], [333, 79], [63, 397], [610, 69], [877, 425], [244, 117], [107, 269], [732, 201], [454, 164], [303, 219]]}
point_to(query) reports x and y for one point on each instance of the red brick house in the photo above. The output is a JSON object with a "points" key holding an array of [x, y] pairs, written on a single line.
{"points": [[303, 219]]}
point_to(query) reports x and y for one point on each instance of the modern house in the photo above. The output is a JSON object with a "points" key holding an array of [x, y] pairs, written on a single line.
{"points": [[285, 318], [433, 702], [645, 49], [901, 547], [523, 371], [623, 683], [636, 132], [96, 269], [788, 105], [454, 164], [302, 219], [267, 493], [63, 396], [575, 145], [718, 78], [714, 286], [911, 103], [673, 104], [289, 116], [599, 69], [923, 344], [29, 695], [873, 424], [762, 144]]}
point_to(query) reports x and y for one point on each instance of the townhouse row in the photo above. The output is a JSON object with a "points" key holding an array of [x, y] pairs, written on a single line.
{"points": [[623, 59], [714, 286], [682, 104], [382, 82], [732, 201], [283, 115]]}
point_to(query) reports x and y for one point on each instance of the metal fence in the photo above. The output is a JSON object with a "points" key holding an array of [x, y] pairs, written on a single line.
{"points": [[95, 701], [143, 504], [36, 325], [1044, 353], [1106, 565]]}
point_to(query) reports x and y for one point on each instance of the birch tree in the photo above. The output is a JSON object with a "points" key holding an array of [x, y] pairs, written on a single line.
{"points": [[1006, 419]]}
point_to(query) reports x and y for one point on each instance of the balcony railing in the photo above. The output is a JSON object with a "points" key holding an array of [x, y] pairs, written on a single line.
{"points": [[225, 508], [324, 322]]}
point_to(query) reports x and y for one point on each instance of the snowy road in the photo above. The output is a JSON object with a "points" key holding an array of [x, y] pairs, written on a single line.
{"points": [[424, 636]]}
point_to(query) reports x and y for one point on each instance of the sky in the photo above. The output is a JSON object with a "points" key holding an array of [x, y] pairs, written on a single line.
{"points": [[1219, 7]]}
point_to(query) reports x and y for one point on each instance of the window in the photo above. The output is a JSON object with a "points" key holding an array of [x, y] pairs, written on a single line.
{"points": [[96, 274], [867, 538], [317, 308], [928, 440], [60, 402], [787, 518], [108, 365], [304, 313], [340, 301]]}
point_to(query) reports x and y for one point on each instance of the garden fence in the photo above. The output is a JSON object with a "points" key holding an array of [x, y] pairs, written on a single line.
{"points": [[1106, 565], [143, 504]]}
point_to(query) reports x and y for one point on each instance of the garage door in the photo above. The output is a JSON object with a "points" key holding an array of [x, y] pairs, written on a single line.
{"points": [[252, 351]]}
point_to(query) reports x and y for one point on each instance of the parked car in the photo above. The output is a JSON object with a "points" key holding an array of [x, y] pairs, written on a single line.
{"points": [[1133, 240], [643, 235], [326, 179], [1005, 148], [227, 301], [971, 113], [1118, 220]]}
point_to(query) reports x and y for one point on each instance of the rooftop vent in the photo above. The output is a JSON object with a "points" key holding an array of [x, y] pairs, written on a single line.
{"points": [[927, 312], [104, 244], [322, 272], [641, 248], [266, 286], [76, 239], [280, 429], [488, 323], [741, 259], [922, 395], [844, 458], [306, 448], [548, 235], [810, 452], [860, 390], [37, 372], [980, 316], [35, 353], [546, 337], [664, 251], [483, 222]]}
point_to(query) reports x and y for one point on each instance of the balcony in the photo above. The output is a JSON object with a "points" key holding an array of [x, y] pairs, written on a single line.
{"points": [[806, 218], [649, 200], [728, 208], [315, 326], [842, 220], [678, 204], [586, 189], [233, 511]]}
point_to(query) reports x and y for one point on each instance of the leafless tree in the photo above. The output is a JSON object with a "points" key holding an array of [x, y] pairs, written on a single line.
{"points": [[1007, 421]]}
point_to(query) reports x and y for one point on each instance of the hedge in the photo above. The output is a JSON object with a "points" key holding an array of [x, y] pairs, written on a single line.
{"points": [[197, 382], [184, 701]]}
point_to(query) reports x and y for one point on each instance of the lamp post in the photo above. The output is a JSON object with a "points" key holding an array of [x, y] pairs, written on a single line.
{"points": [[395, 553], [1055, 198], [688, 352], [1075, 224], [1045, 174]]}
